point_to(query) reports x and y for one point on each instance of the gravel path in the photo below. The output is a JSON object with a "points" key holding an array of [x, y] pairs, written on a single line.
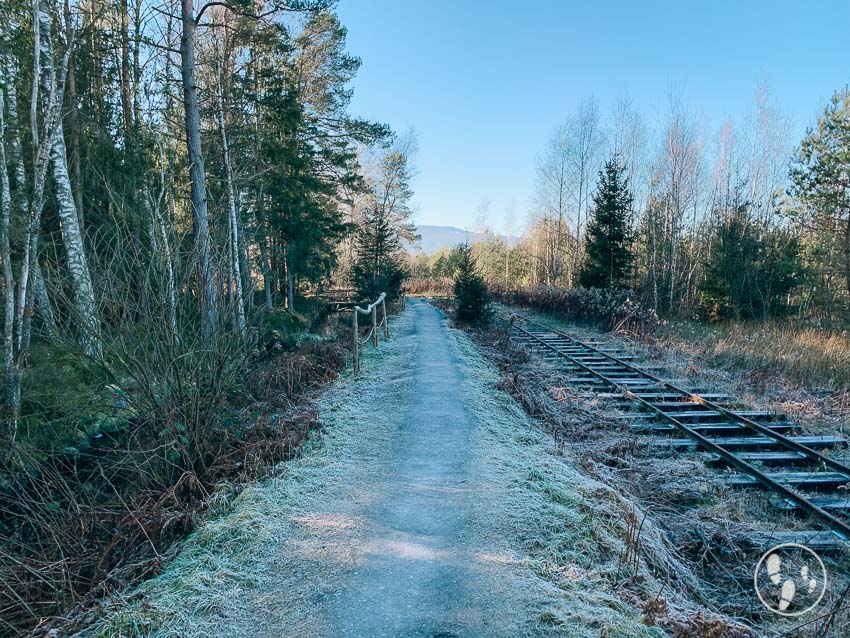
{"points": [[430, 506], [424, 570]]}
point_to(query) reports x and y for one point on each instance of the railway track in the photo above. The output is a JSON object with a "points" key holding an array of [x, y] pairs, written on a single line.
{"points": [[764, 449]]}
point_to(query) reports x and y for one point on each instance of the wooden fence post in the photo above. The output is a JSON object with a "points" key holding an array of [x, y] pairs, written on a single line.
{"points": [[386, 321], [510, 332], [356, 350], [375, 326]]}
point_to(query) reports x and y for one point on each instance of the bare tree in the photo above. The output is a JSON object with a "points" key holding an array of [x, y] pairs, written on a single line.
{"points": [[509, 228], [586, 140], [628, 140], [234, 227], [160, 234], [552, 198], [678, 172], [769, 150]]}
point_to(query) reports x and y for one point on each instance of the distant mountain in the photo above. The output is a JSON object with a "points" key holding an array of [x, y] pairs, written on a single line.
{"points": [[436, 237]]}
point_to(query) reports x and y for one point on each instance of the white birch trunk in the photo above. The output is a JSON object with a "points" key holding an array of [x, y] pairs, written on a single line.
{"points": [[233, 218], [18, 307], [45, 308], [85, 305], [11, 399], [159, 233], [42, 301], [197, 177]]}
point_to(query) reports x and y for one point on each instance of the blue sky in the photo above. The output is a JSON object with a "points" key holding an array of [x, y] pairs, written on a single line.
{"points": [[485, 83]]}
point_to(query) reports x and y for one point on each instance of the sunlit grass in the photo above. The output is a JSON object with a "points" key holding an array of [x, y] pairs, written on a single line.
{"points": [[804, 355]]}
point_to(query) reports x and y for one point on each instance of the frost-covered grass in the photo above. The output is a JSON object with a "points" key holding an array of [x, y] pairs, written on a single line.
{"points": [[229, 559], [562, 543], [590, 542]]}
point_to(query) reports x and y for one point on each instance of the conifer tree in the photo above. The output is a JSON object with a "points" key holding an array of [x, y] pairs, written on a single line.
{"points": [[471, 295], [750, 267], [820, 179], [608, 255], [379, 266]]}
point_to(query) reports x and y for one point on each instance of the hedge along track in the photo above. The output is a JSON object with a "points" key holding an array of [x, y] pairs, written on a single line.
{"points": [[735, 438]]}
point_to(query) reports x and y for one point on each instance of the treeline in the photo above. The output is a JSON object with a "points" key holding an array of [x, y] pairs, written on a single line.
{"points": [[176, 180], [183, 167], [738, 223]]}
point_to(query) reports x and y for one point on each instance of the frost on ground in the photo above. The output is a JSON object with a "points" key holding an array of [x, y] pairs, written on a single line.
{"points": [[711, 525], [490, 533]]}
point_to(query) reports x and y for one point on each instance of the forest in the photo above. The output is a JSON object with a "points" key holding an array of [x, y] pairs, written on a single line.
{"points": [[736, 223], [178, 183]]}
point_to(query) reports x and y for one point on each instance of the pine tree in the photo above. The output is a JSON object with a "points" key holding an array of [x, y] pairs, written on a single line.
{"points": [[473, 300], [750, 267], [608, 257], [379, 267]]}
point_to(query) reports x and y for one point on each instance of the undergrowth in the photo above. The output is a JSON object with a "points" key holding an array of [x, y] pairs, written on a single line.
{"points": [[117, 459]]}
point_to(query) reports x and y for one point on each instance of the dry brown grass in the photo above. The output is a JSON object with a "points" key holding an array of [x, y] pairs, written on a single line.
{"points": [[806, 356], [432, 287]]}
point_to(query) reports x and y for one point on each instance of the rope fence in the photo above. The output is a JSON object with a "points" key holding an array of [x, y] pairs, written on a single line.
{"points": [[371, 309]]}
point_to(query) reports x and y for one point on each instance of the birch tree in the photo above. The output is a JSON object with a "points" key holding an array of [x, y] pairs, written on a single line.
{"points": [[21, 192], [19, 297], [678, 167], [769, 150], [552, 197], [234, 226], [586, 140], [85, 305]]}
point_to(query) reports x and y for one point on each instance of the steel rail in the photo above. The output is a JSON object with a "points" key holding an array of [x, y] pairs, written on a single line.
{"points": [[696, 398], [835, 523]]}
